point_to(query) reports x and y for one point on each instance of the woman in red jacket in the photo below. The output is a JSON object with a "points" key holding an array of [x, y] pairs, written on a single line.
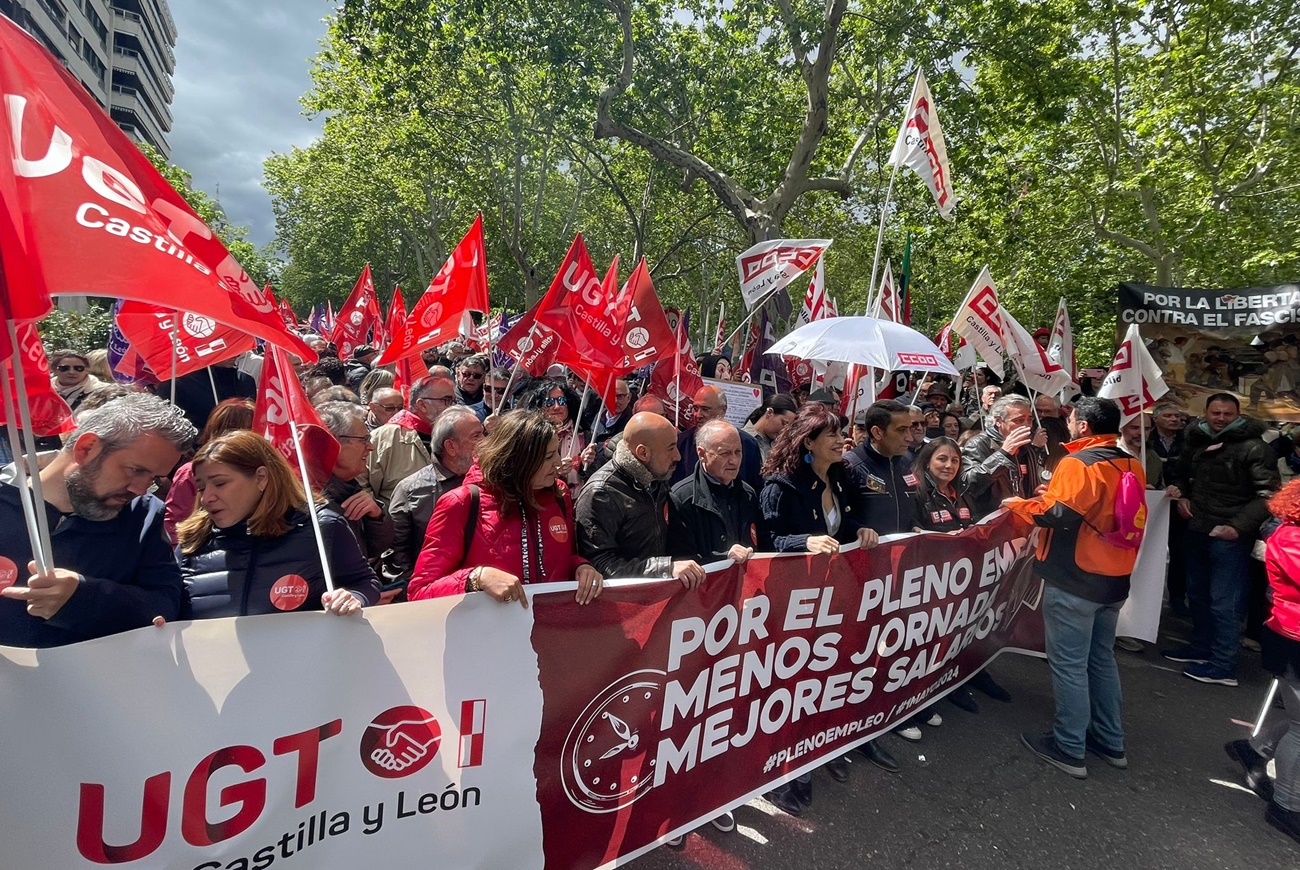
{"points": [[522, 531], [1280, 642]]}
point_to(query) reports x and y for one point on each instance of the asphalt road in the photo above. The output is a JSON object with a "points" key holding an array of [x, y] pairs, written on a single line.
{"points": [[971, 796]]}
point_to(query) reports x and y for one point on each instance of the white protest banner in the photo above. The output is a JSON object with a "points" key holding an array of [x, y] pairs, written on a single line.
{"points": [[1140, 615]]}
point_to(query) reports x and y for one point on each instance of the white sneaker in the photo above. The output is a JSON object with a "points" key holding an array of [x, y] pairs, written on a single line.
{"points": [[934, 721], [911, 732], [726, 823], [676, 842]]}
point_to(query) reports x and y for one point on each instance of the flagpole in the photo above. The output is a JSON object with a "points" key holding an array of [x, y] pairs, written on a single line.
{"points": [[880, 238], [758, 307], [176, 318], [1263, 711], [577, 423], [311, 507], [496, 407], [46, 550], [212, 379], [25, 495]]}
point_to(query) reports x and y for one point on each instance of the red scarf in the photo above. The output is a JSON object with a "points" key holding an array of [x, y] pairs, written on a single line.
{"points": [[407, 420]]}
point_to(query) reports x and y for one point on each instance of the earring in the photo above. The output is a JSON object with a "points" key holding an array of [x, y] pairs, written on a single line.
{"points": [[807, 456]]}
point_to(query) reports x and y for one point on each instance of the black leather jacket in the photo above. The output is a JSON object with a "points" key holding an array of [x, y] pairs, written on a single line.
{"points": [[990, 475], [622, 520], [700, 513], [233, 573]]}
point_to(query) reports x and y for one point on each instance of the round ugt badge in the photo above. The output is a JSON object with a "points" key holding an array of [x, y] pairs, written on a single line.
{"points": [[608, 759]]}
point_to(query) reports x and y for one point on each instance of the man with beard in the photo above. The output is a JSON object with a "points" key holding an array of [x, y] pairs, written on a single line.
{"points": [[113, 565]]}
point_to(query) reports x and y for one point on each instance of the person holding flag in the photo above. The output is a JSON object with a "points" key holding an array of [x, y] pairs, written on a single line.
{"points": [[249, 547]]}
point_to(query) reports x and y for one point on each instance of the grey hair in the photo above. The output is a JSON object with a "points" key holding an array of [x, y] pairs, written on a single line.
{"points": [[1006, 403], [338, 417], [708, 434], [444, 427], [1164, 406], [120, 422], [424, 386]]}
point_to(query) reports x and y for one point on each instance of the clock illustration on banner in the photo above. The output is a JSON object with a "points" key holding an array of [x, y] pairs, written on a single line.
{"points": [[608, 759]]}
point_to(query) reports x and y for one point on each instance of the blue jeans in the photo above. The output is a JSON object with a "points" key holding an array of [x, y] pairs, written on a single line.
{"points": [[1085, 678], [1217, 583]]}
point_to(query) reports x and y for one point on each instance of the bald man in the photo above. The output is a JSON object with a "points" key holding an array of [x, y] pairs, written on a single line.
{"points": [[622, 522], [710, 403]]}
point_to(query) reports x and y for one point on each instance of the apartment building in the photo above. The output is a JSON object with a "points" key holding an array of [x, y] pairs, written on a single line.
{"points": [[123, 51]]}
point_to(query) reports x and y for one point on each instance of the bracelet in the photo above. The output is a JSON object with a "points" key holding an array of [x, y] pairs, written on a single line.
{"points": [[471, 583]]}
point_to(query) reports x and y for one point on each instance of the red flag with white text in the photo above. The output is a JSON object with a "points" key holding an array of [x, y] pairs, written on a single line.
{"points": [[676, 378], [50, 414], [199, 341], [459, 287], [280, 399], [532, 343], [357, 316], [83, 211], [396, 316]]}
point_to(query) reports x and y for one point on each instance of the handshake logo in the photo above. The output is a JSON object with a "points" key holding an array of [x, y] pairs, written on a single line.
{"points": [[400, 741]]}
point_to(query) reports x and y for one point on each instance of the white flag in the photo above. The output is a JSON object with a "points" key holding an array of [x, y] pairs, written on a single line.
{"points": [[979, 318], [920, 147], [888, 305], [769, 266], [1134, 380], [1037, 370], [1060, 348], [816, 305]]}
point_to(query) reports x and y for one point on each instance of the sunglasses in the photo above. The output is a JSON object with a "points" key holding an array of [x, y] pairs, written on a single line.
{"points": [[70, 368], [553, 402], [478, 376], [392, 409]]}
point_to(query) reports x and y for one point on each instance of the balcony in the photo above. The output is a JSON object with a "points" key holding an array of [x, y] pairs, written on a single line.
{"points": [[52, 17], [129, 59], [137, 75], [129, 108], [134, 24]]}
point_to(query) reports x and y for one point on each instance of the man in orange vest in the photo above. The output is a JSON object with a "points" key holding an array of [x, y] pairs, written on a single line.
{"points": [[1086, 566]]}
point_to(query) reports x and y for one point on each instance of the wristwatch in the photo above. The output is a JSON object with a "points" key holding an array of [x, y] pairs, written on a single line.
{"points": [[471, 583]]}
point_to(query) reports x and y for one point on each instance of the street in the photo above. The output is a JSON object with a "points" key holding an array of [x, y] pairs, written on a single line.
{"points": [[971, 796]]}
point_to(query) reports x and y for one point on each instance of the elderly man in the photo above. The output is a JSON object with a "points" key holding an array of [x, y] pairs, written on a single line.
{"points": [[494, 394], [1222, 483], [372, 528], [621, 513], [612, 421], [712, 515], [1008, 458], [402, 444], [710, 403], [470, 374], [113, 565], [384, 403], [456, 437]]}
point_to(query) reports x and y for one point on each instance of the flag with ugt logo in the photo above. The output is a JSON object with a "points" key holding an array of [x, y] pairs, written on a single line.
{"points": [[280, 400]]}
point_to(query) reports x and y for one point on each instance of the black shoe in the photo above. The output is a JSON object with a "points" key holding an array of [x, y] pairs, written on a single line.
{"points": [[783, 798], [1286, 821], [1044, 746], [964, 699], [1110, 756], [838, 768], [1254, 765], [802, 789], [989, 686], [879, 756], [1186, 655]]}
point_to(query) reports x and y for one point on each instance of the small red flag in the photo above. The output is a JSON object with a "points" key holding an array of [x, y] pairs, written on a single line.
{"points": [[50, 414], [199, 340], [677, 378], [359, 313], [280, 399]]}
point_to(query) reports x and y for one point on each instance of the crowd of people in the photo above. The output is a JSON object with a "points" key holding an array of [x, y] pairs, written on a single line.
{"points": [[475, 481]]}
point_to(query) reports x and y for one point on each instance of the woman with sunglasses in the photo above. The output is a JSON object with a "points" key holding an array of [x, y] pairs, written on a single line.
{"points": [[72, 378], [249, 547], [560, 405]]}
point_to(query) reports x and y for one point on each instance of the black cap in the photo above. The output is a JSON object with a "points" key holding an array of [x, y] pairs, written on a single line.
{"points": [[826, 397], [364, 350]]}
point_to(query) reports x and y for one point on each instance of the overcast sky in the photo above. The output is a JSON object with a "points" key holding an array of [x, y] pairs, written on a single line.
{"points": [[241, 66]]}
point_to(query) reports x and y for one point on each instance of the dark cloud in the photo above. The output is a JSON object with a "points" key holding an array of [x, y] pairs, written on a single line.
{"points": [[241, 66]]}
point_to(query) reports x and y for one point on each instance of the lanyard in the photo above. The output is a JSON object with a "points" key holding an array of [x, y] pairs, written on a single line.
{"points": [[541, 547]]}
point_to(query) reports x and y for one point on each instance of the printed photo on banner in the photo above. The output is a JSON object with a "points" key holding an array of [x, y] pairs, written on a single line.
{"points": [[1245, 341]]}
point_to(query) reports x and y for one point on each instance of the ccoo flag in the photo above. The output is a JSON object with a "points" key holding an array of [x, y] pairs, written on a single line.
{"points": [[1134, 380], [921, 148]]}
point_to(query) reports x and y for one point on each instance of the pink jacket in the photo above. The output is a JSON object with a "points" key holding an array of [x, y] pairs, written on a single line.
{"points": [[1282, 560]]}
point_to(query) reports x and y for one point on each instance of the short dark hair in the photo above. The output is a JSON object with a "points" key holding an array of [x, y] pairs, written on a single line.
{"points": [[881, 412], [1101, 415], [780, 403], [1224, 397]]}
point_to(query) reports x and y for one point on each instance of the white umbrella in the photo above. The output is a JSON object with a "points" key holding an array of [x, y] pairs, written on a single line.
{"points": [[867, 341]]}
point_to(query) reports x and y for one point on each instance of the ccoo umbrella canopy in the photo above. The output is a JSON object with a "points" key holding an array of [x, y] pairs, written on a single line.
{"points": [[867, 341]]}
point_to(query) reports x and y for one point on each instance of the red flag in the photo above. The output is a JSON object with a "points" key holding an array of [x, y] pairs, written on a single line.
{"points": [[406, 371], [584, 312], [286, 310], [359, 313], [459, 287], [83, 211], [531, 343], [664, 380], [396, 316], [200, 340], [50, 414], [280, 399]]}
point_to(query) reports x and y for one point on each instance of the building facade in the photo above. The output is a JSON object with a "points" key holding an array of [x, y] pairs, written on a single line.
{"points": [[123, 51]]}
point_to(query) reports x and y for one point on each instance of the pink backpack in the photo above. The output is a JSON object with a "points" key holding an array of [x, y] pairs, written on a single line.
{"points": [[1130, 510]]}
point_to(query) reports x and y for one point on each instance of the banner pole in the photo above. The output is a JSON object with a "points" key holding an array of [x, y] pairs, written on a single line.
{"points": [[176, 319], [25, 496], [577, 423], [880, 238], [212, 379], [29, 443], [496, 407], [311, 507], [750, 316]]}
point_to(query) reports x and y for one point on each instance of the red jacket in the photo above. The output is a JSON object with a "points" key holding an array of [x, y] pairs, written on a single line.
{"points": [[1282, 560], [443, 565]]}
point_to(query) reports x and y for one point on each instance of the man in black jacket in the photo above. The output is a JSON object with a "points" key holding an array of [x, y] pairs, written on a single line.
{"points": [[1222, 482], [1007, 459], [880, 466], [712, 515], [113, 565], [621, 522]]}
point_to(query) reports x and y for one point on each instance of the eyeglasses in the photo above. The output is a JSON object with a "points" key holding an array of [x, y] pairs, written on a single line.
{"points": [[477, 376], [698, 408], [393, 409], [70, 368], [443, 400], [365, 438], [554, 402]]}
